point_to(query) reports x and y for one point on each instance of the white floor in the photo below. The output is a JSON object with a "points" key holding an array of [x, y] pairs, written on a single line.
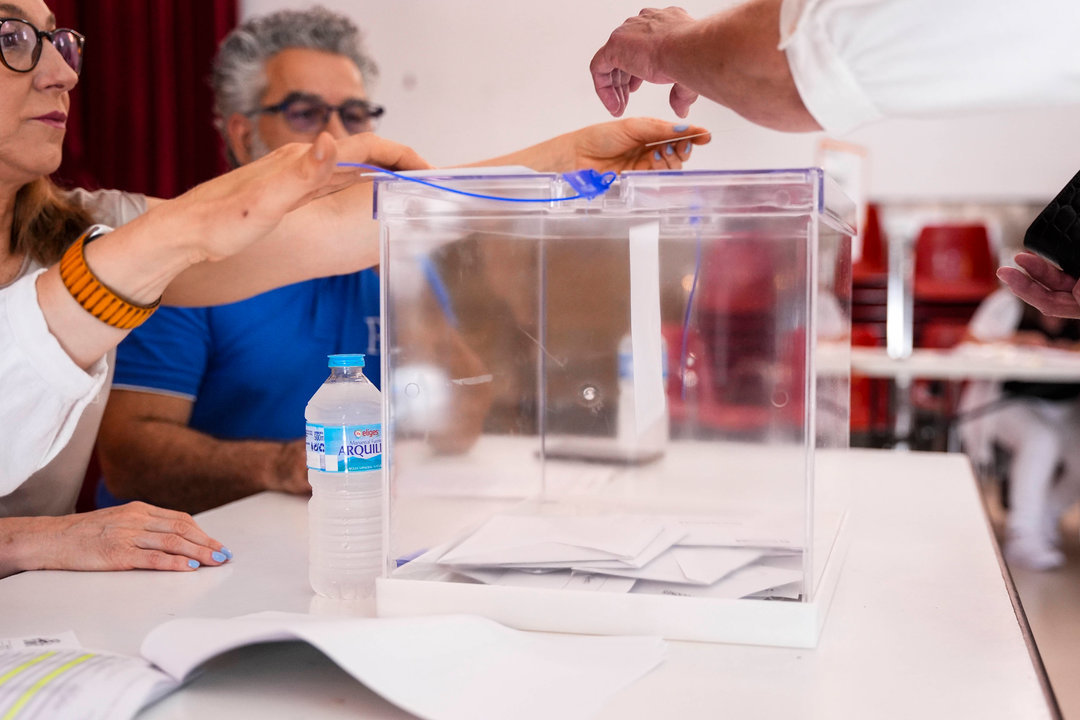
{"points": [[1051, 601]]}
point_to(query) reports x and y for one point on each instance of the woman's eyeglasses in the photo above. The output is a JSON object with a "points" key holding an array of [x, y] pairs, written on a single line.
{"points": [[20, 45], [310, 113]]}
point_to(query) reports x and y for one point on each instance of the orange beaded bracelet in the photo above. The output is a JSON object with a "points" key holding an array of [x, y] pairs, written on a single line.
{"points": [[93, 295]]}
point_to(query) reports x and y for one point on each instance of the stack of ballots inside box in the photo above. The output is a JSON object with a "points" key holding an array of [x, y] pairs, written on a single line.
{"points": [[707, 557]]}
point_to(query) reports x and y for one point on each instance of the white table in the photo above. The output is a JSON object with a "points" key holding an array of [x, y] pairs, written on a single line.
{"points": [[971, 362], [922, 624]]}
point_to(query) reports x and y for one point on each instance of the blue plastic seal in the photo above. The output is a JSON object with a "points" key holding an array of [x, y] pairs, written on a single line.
{"points": [[588, 183], [345, 361]]}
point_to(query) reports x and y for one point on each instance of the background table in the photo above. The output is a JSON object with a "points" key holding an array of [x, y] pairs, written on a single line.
{"points": [[997, 362], [971, 362], [923, 622]]}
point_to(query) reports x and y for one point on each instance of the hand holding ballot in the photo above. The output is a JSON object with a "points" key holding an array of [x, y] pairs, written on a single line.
{"points": [[630, 144]]}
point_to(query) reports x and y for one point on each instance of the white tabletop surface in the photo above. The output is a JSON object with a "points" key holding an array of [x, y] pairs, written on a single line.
{"points": [[922, 624], [999, 361]]}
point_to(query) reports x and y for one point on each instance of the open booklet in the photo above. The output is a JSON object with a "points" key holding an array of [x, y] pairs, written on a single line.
{"points": [[452, 667]]}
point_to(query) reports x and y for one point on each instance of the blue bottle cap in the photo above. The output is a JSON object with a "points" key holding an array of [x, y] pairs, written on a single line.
{"points": [[345, 361]]}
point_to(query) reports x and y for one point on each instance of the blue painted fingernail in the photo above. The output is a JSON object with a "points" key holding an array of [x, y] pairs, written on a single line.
{"points": [[218, 557], [656, 154], [193, 564], [688, 146], [670, 149], [681, 128], [227, 551]]}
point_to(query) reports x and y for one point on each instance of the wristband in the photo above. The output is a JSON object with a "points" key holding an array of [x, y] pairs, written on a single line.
{"points": [[93, 295]]}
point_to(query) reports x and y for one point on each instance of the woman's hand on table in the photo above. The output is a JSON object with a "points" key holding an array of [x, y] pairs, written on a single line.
{"points": [[126, 537], [1042, 285]]}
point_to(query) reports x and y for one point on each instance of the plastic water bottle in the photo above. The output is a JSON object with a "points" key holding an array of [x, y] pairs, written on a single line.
{"points": [[344, 459]]}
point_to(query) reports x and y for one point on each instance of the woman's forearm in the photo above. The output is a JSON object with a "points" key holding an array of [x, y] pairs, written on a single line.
{"points": [[333, 235], [21, 543], [136, 261]]}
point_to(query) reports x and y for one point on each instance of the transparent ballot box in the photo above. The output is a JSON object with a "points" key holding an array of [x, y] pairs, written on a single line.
{"points": [[625, 414]]}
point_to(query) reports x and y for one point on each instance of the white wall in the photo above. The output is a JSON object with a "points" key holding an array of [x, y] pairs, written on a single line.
{"points": [[468, 79]]}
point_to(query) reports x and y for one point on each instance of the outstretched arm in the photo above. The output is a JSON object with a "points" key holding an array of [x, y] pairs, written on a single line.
{"points": [[732, 58], [331, 235], [337, 234], [214, 220], [629, 144]]}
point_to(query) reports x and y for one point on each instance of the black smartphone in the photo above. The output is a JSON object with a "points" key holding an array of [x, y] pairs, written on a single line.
{"points": [[1055, 233]]}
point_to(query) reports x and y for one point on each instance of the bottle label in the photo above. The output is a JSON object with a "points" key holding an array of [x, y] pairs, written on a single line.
{"points": [[344, 448]]}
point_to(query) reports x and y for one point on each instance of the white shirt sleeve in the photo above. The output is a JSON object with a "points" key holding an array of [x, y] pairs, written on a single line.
{"points": [[856, 61], [997, 317], [44, 392]]}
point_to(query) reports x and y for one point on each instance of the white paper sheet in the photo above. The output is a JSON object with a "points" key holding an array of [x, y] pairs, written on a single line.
{"points": [[645, 337], [51, 641], [66, 683], [456, 667]]}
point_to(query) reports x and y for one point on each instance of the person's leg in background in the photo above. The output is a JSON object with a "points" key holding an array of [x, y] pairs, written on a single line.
{"points": [[1066, 488], [1032, 430]]}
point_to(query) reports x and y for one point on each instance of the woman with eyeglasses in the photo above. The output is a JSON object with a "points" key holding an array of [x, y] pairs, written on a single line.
{"points": [[68, 296]]}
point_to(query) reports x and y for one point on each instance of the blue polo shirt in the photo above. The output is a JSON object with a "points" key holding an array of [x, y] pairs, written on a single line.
{"points": [[250, 367]]}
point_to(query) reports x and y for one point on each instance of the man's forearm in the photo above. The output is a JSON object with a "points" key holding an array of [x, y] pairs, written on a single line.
{"points": [[175, 467], [733, 58]]}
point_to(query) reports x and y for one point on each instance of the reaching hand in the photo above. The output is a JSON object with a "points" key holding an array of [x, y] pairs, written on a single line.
{"points": [[222, 216], [626, 145], [611, 147], [135, 535], [1043, 286], [232, 211], [371, 149], [631, 56]]}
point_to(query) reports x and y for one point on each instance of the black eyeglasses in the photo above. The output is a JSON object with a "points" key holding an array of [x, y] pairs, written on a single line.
{"points": [[20, 45], [307, 114]]}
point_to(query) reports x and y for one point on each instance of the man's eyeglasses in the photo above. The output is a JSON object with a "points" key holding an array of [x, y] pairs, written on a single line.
{"points": [[310, 113], [20, 45]]}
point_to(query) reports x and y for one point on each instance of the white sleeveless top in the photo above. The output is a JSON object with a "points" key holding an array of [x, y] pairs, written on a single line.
{"points": [[53, 489]]}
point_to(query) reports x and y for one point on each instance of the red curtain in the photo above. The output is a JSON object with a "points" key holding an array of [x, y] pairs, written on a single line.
{"points": [[141, 117]]}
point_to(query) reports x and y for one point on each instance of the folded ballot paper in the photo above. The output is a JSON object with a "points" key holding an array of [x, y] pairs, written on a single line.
{"points": [[455, 667], [723, 558]]}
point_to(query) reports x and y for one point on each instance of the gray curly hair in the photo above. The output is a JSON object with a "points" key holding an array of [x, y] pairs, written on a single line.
{"points": [[238, 77]]}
